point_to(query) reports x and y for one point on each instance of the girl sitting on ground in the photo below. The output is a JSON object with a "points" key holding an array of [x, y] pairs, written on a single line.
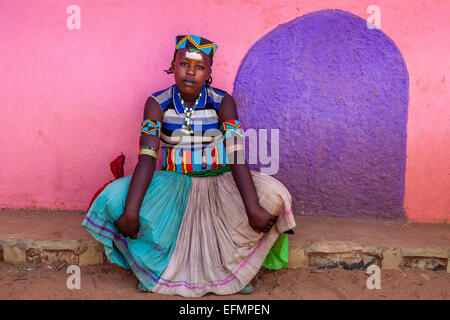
{"points": [[204, 222]]}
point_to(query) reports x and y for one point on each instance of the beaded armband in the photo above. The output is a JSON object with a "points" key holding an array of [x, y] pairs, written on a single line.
{"points": [[231, 129], [151, 127], [151, 151]]}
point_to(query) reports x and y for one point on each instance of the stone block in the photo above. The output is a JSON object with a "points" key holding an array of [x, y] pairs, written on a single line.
{"points": [[91, 253], [14, 254], [392, 259], [333, 247], [373, 250], [21, 244], [426, 252], [25, 244], [297, 258], [55, 245]]}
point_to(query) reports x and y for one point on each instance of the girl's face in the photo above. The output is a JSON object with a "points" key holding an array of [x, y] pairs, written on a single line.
{"points": [[191, 70]]}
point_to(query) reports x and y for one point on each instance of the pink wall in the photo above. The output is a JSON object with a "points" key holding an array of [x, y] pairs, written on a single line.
{"points": [[72, 100]]}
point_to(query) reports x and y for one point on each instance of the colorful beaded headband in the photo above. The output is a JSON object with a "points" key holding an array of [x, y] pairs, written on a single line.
{"points": [[196, 43]]}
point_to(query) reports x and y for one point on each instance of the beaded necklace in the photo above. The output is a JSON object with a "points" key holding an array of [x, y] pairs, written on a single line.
{"points": [[188, 111]]}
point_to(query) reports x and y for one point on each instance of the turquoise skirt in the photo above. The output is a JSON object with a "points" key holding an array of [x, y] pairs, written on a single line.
{"points": [[160, 218]]}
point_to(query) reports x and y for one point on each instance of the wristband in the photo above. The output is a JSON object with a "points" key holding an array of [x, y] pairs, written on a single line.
{"points": [[150, 151]]}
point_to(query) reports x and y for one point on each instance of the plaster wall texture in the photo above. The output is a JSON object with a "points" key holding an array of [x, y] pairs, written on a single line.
{"points": [[72, 100], [338, 93]]}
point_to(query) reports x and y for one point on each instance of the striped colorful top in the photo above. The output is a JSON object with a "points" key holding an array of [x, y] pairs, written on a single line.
{"points": [[202, 150]]}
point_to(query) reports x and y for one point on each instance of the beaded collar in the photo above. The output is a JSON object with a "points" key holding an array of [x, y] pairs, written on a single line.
{"points": [[177, 102]]}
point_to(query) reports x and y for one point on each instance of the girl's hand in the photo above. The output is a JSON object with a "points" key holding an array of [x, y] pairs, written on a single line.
{"points": [[260, 219], [128, 225]]}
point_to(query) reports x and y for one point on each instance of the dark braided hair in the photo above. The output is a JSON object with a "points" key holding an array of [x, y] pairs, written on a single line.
{"points": [[170, 70]]}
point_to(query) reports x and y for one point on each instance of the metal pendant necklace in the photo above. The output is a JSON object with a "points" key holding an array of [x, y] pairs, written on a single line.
{"points": [[188, 111]]}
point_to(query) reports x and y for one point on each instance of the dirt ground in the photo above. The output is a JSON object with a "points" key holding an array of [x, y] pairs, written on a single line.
{"points": [[112, 282]]}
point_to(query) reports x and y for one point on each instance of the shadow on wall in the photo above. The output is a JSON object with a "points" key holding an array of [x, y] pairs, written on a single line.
{"points": [[338, 93]]}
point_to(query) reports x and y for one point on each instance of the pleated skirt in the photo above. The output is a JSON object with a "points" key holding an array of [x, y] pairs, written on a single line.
{"points": [[194, 232]]}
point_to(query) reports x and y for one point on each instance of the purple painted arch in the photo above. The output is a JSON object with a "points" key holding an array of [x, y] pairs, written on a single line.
{"points": [[338, 93]]}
